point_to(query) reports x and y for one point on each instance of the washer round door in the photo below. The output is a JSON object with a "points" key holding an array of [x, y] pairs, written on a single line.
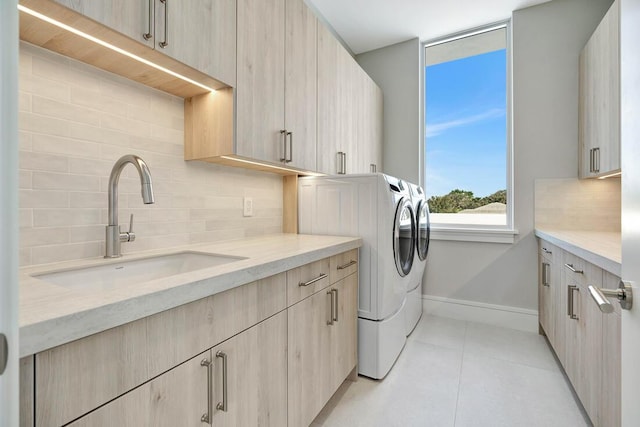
{"points": [[424, 229], [404, 237]]}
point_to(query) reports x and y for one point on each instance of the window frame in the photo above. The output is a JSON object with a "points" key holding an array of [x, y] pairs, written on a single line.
{"points": [[474, 232]]}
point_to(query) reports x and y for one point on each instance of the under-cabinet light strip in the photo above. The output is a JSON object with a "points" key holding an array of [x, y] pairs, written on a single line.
{"points": [[110, 46], [611, 175], [250, 162]]}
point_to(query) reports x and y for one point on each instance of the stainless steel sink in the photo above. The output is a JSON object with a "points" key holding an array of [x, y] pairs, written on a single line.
{"points": [[115, 274]]}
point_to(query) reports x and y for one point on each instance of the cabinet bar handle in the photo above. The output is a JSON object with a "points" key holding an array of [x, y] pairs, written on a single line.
{"points": [[547, 251], [335, 316], [207, 418], [596, 152], [148, 35], [344, 163], [165, 42], [373, 168], [347, 265], [290, 158], [222, 406], [570, 306], [590, 160], [283, 133], [312, 281], [545, 274], [330, 321], [572, 268]]}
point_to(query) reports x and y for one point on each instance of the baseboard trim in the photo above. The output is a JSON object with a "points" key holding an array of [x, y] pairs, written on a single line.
{"points": [[498, 315]]}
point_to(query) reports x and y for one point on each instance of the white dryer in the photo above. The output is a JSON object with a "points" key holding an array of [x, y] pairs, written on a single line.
{"points": [[377, 208], [423, 231]]}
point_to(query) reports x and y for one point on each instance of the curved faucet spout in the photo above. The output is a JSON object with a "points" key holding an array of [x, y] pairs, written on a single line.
{"points": [[145, 182], [113, 234]]}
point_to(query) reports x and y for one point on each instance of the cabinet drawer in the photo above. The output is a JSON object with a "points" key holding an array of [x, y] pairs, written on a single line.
{"points": [[344, 264], [75, 378], [307, 280]]}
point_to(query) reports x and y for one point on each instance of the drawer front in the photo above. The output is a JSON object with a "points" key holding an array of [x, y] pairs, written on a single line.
{"points": [[75, 378], [307, 280], [343, 265]]}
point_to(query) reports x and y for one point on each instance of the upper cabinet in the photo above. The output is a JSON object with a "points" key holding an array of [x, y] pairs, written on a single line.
{"points": [[349, 112], [276, 90], [599, 103], [198, 33]]}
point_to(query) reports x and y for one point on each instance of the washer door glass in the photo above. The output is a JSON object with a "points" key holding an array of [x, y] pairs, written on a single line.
{"points": [[424, 229], [404, 237]]}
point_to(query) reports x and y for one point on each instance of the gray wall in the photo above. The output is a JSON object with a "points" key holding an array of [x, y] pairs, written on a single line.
{"points": [[547, 40], [396, 69]]}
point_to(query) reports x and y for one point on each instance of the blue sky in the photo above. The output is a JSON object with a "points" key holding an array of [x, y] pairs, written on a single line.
{"points": [[465, 129]]}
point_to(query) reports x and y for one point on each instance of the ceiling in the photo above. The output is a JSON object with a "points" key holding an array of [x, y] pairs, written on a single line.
{"points": [[365, 25]]}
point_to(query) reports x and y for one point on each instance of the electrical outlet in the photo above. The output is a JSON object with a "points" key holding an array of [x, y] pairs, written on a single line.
{"points": [[248, 206]]}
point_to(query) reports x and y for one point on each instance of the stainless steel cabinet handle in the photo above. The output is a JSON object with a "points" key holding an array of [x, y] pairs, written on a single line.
{"points": [[624, 294], [290, 158], [547, 251], [222, 406], [335, 316], [596, 161], [149, 35], [165, 42], [283, 133], [344, 163], [591, 160], [373, 168], [546, 277], [4, 353], [347, 265], [312, 281], [570, 307], [330, 321], [572, 268], [208, 418]]}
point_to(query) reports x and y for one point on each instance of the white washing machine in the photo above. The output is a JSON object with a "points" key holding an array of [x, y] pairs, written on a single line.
{"points": [[377, 208], [423, 229]]}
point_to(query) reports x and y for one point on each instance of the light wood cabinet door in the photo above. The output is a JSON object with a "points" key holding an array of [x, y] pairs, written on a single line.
{"points": [[584, 343], [129, 17], [329, 54], [177, 397], [309, 358], [260, 79], [199, 33], [599, 102], [256, 369], [610, 414], [344, 331], [546, 308], [301, 84]]}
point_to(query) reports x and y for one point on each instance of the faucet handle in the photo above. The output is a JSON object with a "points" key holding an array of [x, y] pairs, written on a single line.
{"points": [[132, 235]]}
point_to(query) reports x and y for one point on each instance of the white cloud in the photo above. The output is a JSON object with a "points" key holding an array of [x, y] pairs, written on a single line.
{"points": [[439, 128]]}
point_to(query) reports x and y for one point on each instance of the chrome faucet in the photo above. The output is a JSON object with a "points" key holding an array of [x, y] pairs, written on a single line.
{"points": [[114, 237]]}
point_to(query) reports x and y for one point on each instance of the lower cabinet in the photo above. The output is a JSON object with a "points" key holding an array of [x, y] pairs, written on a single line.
{"points": [[259, 361], [586, 341], [322, 348]]}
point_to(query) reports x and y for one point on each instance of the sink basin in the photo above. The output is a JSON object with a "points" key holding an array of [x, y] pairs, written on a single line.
{"points": [[107, 276]]}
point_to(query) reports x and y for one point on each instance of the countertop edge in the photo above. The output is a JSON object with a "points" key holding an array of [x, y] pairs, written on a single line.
{"points": [[612, 266], [38, 337]]}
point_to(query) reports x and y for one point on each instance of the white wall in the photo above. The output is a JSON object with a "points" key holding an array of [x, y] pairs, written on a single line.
{"points": [[75, 122], [396, 69], [547, 40]]}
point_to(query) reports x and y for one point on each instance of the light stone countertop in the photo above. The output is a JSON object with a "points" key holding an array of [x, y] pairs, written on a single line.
{"points": [[51, 315], [600, 248]]}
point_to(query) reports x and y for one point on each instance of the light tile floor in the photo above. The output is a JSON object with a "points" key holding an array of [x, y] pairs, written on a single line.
{"points": [[456, 373]]}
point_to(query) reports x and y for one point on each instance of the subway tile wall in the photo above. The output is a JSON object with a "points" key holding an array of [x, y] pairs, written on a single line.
{"points": [[574, 204], [75, 122]]}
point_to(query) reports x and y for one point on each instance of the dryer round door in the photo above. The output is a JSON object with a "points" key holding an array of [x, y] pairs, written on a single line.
{"points": [[404, 235], [424, 229]]}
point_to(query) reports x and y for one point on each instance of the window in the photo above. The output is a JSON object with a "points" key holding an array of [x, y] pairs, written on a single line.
{"points": [[467, 131]]}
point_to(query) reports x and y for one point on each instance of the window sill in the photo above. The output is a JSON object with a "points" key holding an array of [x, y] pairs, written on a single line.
{"points": [[481, 235]]}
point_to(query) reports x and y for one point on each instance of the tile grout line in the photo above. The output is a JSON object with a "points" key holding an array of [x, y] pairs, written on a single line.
{"points": [[464, 345]]}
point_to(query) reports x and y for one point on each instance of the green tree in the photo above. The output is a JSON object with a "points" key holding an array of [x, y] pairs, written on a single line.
{"points": [[458, 200]]}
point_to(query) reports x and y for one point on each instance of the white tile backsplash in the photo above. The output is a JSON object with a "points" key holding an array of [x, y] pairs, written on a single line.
{"points": [[75, 122], [578, 204]]}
